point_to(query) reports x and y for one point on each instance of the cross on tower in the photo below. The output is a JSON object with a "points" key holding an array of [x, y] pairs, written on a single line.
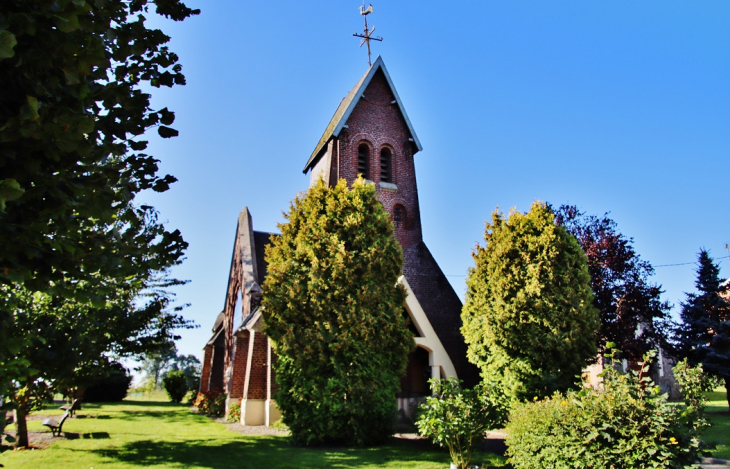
{"points": [[367, 36]]}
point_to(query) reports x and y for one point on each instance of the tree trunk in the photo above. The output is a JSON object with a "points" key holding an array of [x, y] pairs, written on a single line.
{"points": [[21, 427], [727, 391]]}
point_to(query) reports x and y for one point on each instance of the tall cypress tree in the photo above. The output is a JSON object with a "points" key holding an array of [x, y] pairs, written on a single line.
{"points": [[334, 310], [704, 336], [529, 319]]}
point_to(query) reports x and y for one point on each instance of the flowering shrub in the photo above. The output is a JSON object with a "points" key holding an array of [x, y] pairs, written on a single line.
{"points": [[234, 412], [627, 423], [458, 418], [212, 402]]}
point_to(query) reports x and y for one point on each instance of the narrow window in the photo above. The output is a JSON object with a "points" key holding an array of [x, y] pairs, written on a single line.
{"points": [[385, 166], [399, 214], [363, 161]]}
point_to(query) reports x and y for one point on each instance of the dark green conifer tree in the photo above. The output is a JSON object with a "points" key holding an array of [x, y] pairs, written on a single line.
{"points": [[704, 335]]}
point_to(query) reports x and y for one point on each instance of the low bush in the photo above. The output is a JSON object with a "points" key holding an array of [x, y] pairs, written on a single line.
{"points": [[175, 385], [211, 402], [111, 388], [626, 423], [459, 418], [694, 383]]}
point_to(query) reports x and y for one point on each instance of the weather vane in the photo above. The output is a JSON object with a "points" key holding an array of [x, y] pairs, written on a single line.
{"points": [[367, 36]]}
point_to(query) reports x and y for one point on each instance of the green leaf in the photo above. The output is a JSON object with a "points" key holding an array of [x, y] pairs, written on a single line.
{"points": [[9, 190], [167, 132], [67, 22], [167, 117], [7, 43], [29, 110]]}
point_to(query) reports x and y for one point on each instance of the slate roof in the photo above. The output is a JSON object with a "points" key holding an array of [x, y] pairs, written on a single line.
{"points": [[260, 240], [442, 307], [347, 105]]}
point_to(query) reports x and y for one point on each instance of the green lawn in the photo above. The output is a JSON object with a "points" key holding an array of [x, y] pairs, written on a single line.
{"points": [[141, 433], [717, 411]]}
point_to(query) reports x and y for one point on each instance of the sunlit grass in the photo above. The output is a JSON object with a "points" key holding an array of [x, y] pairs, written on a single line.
{"points": [[142, 433], [717, 411]]}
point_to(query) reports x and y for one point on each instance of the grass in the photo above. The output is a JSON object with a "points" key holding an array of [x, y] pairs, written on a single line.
{"points": [[719, 432], [140, 432]]}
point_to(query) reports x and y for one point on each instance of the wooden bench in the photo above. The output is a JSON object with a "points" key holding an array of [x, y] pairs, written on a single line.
{"points": [[56, 426], [75, 405]]}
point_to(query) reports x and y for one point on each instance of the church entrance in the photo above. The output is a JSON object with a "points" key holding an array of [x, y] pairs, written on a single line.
{"points": [[414, 387]]}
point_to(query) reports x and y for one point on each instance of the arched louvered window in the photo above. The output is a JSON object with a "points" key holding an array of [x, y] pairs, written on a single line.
{"points": [[363, 160], [399, 215], [386, 165]]}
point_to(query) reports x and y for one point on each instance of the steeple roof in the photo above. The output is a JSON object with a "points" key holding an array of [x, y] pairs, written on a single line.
{"points": [[347, 105]]}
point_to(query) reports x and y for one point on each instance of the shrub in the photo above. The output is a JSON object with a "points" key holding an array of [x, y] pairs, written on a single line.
{"points": [[112, 388], [458, 418], [211, 402], [694, 383], [627, 423], [175, 385], [234, 412]]}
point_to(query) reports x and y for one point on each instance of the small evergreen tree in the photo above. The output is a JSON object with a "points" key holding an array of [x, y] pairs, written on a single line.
{"points": [[704, 336], [334, 310], [529, 319]]}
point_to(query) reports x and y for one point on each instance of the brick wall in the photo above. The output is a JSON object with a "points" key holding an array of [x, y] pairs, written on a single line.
{"points": [[238, 379], [217, 368], [257, 383], [205, 374]]}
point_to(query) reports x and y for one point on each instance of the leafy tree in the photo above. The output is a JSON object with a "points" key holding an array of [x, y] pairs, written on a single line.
{"points": [[66, 339], [529, 320], [71, 114], [334, 311], [157, 363], [631, 310], [459, 418], [704, 335]]}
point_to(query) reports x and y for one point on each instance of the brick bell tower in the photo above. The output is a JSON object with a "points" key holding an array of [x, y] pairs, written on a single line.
{"points": [[370, 134]]}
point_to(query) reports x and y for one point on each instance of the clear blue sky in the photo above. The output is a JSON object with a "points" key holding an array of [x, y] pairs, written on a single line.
{"points": [[620, 107]]}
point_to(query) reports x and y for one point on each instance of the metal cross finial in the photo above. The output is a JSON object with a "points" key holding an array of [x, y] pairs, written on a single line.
{"points": [[367, 37]]}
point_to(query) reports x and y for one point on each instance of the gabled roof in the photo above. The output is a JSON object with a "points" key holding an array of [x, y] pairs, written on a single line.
{"points": [[347, 105]]}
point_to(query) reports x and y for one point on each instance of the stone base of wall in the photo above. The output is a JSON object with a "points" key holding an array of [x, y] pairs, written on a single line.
{"points": [[259, 412]]}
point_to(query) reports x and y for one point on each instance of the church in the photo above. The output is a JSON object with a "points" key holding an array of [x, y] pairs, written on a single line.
{"points": [[370, 134]]}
